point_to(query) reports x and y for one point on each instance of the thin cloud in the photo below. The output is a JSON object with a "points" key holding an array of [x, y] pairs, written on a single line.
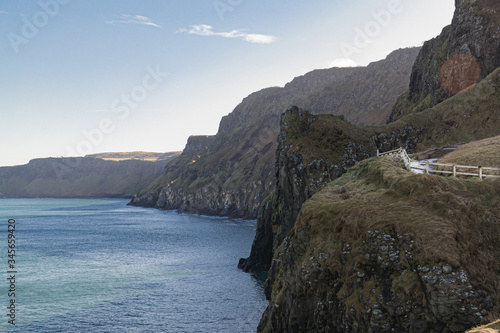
{"points": [[207, 30], [135, 19], [3, 12]]}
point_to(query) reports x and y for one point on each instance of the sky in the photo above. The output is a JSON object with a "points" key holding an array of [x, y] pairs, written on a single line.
{"points": [[87, 76]]}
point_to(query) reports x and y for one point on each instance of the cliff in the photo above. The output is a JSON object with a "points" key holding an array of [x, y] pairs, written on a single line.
{"points": [[315, 149], [112, 175], [380, 249], [466, 52], [429, 114], [232, 172], [384, 250]]}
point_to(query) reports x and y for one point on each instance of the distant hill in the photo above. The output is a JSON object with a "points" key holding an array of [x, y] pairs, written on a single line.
{"points": [[136, 155], [83, 176], [232, 172]]}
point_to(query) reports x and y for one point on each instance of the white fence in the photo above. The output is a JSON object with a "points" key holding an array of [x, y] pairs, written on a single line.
{"points": [[446, 169], [401, 152]]}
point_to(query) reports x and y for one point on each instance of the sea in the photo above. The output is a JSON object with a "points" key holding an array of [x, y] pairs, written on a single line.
{"points": [[98, 265]]}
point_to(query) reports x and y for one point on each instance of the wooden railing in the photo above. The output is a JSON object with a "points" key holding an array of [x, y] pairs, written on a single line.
{"points": [[401, 152], [454, 170]]}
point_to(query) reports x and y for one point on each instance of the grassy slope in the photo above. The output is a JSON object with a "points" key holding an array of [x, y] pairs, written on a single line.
{"points": [[476, 22], [465, 117], [452, 221], [468, 116], [483, 152]]}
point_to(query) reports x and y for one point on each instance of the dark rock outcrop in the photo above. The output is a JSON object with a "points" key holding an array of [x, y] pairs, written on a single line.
{"points": [[380, 249], [315, 149], [310, 154], [466, 52], [356, 262], [262, 247]]}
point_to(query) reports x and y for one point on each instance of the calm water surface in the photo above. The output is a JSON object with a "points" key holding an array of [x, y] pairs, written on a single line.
{"points": [[101, 266]]}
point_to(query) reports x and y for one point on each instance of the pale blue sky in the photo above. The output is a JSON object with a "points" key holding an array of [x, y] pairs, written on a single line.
{"points": [[144, 75]]}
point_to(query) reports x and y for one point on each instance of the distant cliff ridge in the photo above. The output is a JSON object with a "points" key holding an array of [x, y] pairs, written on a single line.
{"points": [[136, 155], [232, 172], [112, 175]]}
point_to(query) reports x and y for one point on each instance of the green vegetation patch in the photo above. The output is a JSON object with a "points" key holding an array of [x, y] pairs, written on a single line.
{"points": [[451, 221]]}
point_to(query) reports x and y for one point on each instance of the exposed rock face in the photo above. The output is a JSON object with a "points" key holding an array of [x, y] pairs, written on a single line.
{"points": [[310, 154], [298, 178], [353, 264], [296, 181], [234, 171], [262, 247], [466, 52], [315, 149], [229, 182], [361, 277], [198, 145], [380, 249]]}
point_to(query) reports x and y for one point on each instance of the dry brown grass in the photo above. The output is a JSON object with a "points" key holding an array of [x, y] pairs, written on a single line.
{"points": [[451, 221], [485, 153], [493, 327]]}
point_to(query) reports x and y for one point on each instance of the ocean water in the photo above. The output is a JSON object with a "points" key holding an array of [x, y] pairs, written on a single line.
{"points": [[101, 266]]}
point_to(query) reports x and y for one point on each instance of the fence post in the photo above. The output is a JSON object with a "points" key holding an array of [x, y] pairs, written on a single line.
{"points": [[454, 171], [480, 172], [378, 153], [426, 168]]}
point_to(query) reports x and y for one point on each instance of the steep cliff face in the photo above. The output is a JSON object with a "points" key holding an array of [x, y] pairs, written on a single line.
{"points": [[466, 52], [233, 172], [298, 176], [312, 151], [196, 147], [315, 149], [380, 249], [383, 250], [229, 180]]}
